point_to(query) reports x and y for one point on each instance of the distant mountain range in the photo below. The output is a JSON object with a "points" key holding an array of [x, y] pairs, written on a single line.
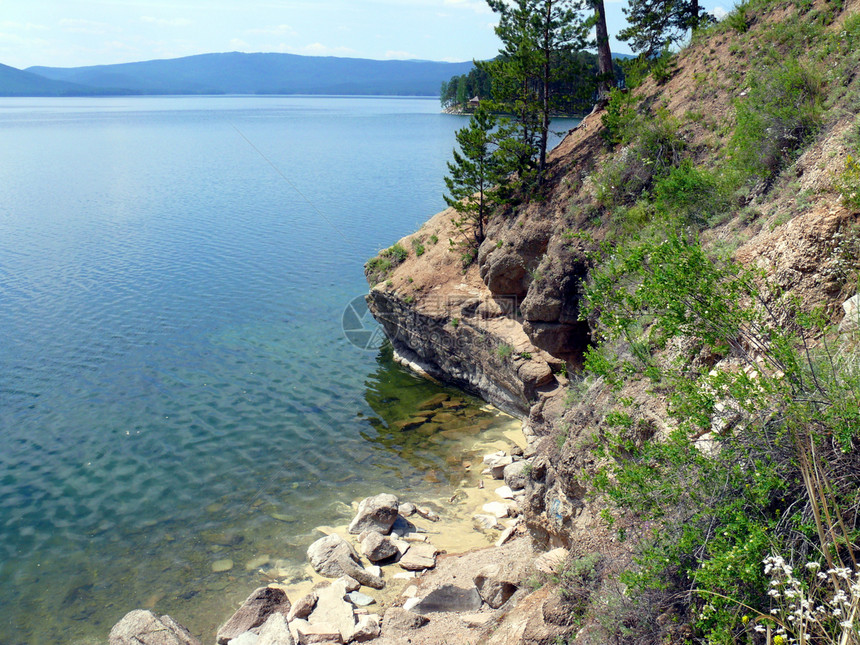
{"points": [[235, 73]]}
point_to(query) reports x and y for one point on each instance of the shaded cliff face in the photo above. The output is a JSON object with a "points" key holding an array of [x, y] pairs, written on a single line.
{"points": [[509, 327]]}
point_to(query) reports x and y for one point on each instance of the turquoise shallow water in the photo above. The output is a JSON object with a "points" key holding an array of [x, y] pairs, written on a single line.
{"points": [[175, 386]]}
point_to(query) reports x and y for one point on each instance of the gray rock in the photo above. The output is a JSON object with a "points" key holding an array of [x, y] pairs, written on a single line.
{"points": [[497, 469], [248, 638], [418, 557], [332, 609], [406, 509], [319, 633], [375, 513], [399, 618], [276, 631], [377, 547], [325, 555], [363, 576], [142, 627], [402, 526], [303, 608], [360, 599], [516, 474], [367, 628], [494, 586], [350, 584], [261, 604], [485, 522], [427, 513], [449, 598], [851, 320]]}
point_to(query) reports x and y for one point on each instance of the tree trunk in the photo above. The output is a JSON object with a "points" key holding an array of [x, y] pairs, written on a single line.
{"points": [[545, 91], [604, 55], [694, 14]]}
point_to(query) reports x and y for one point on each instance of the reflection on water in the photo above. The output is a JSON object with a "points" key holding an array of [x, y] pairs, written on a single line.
{"points": [[408, 439]]}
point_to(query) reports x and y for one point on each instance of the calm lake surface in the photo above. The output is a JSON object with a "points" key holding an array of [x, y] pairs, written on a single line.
{"points": [[175, 385]]}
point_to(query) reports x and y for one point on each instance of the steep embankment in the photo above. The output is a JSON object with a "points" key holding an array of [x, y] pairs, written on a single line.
{"points": [[745, 138]]}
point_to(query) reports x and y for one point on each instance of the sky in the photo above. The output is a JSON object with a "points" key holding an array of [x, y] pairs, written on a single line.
{"points": [[73, 33]]}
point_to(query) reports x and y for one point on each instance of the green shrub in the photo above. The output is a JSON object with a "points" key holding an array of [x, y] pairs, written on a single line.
{"points": [[693, 193], [782, 423], [504, 350], [397, 253], [848, 184], [737, 19], [620, 114], [780, 114], [654, 150]]}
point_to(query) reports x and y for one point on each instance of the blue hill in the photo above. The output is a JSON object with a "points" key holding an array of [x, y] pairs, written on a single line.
{"points": [[237, 73]]}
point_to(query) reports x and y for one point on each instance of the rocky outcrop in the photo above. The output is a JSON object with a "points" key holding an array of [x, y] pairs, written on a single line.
{"points": [[253, 613], [141, 627]]}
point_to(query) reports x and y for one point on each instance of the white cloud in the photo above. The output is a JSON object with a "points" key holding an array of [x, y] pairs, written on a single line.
{"points": [[277, 30], [90, 27], [238, 44], [318, 49], [21, 26], [399, 55], [162, 22], [719, 13], [478, 6]]}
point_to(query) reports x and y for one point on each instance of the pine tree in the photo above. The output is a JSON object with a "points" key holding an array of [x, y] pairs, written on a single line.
{"points": [[655, 25], [474, 177], [533, 33]]}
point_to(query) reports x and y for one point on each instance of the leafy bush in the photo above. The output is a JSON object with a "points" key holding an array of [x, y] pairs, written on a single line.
{"points": [[619, 115], [779, 115], [654, 150], [693, 193], [848, 184], [377, 269], [763, 455]]}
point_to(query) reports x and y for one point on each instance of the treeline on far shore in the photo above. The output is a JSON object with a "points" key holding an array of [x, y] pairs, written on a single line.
{"points": [[575, 84]]}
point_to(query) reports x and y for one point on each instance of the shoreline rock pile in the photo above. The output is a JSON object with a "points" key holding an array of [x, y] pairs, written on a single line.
{"points": [[337, 610]]}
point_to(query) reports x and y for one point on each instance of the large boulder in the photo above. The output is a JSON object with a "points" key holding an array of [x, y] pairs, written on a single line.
{"points": [[255, 611], [332, 609], [495, 585], [418, 557], [327, 554], [377, 547], [276, 631], [141, 627], [375, 513], [516, 474]]}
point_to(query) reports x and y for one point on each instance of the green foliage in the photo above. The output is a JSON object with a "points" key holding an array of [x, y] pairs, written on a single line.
{"points": [[620, 114], [847, 183], [693, 193], [474, 175], [778, 419], [655, 148], [780, 114], [434, 239], [418, 247], [377, 269], [737, 19], [397, 253], [504, 350]]}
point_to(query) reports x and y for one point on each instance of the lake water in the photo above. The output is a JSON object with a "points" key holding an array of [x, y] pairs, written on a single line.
{"points": [[175, 385]]}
